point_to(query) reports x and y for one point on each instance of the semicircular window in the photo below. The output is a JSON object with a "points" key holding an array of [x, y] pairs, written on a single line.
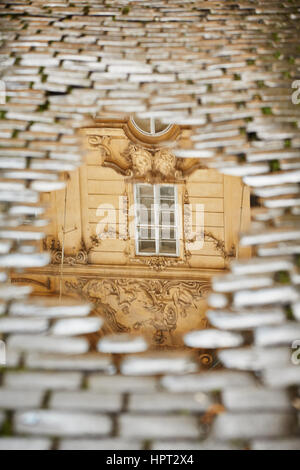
{"points": [[150, 126]]}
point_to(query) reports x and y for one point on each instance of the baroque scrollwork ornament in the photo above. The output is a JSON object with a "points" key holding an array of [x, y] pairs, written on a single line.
{"points": [[136, 162], [156, 165], [102, 143], [80, 257], [161, 304], [159, 263]]}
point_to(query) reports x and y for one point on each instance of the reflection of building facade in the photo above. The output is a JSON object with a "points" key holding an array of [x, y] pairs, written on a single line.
{"points": [[133, 235]]}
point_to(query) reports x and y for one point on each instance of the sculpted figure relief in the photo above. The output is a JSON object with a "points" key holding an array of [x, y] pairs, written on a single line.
{"points": [[136, 161], [160, 309], [164, 163], [141, 162]]}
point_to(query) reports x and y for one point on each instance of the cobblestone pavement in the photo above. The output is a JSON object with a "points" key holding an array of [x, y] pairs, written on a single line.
{"points": [[230, 70]]}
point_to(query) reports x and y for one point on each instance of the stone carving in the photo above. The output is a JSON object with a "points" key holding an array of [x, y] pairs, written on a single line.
{"points": [[220, 246], [159, 263], [80, 257], [164, 163], [151, 165], [26, 280], [141, 162], [154, 307], [101, 143]]}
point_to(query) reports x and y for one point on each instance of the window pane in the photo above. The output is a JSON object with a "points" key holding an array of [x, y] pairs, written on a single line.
{"points": [[146, 233], [146, 202], [167, 246], [167, 192], [147, 246], [167, 233], [156, 219], [167, 218], [146, 216], [167, 204], [146, 190]]}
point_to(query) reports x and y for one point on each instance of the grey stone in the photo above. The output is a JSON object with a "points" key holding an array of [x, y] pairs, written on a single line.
{"points": [[156, 363], [24, 443], [61, 423], [252, 425], [19, 260], [29, 196], [3, 308], [207, 381], [211, 339], [26, 210], [269, 236], [51, 344], [292, 443], [217, 300], [191, 445], [168, 402], [8, 291], [284, 376], [43, 380], [99, 444], [296, 310], [49, 307], [273, 295], [257, 398], [47, 186], [277, 334], [21, 235], [2, 418], [122, 344], [76, 326], [273, 179], [245, 319], [246, 170], [52, 165], [86, 401], [122, 384], [5, 246], [254, 358], [13, 163], [87, 362], [139, 427], [18, 325], [12, 358], [232, 283], [18, 399]]}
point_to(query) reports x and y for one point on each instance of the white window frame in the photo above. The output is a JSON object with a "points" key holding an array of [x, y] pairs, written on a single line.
{"points": [[157, 203]]}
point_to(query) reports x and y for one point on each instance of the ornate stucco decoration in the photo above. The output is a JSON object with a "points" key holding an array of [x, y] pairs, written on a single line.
{"points": [[159, 263], [80, 257], [152, 166], [208, 236], [147, 164], [220, 246], [27, 280], [156, 307]]}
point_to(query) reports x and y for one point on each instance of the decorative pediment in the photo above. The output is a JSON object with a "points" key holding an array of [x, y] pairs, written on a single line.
{"points": [[139, 163]]}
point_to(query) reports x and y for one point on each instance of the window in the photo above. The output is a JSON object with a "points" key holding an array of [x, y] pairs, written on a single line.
{"points": [[150, 126], [156, 219]]}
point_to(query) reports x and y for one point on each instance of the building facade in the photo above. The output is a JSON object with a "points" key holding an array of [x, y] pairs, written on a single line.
{"points": [[140, 231]]}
